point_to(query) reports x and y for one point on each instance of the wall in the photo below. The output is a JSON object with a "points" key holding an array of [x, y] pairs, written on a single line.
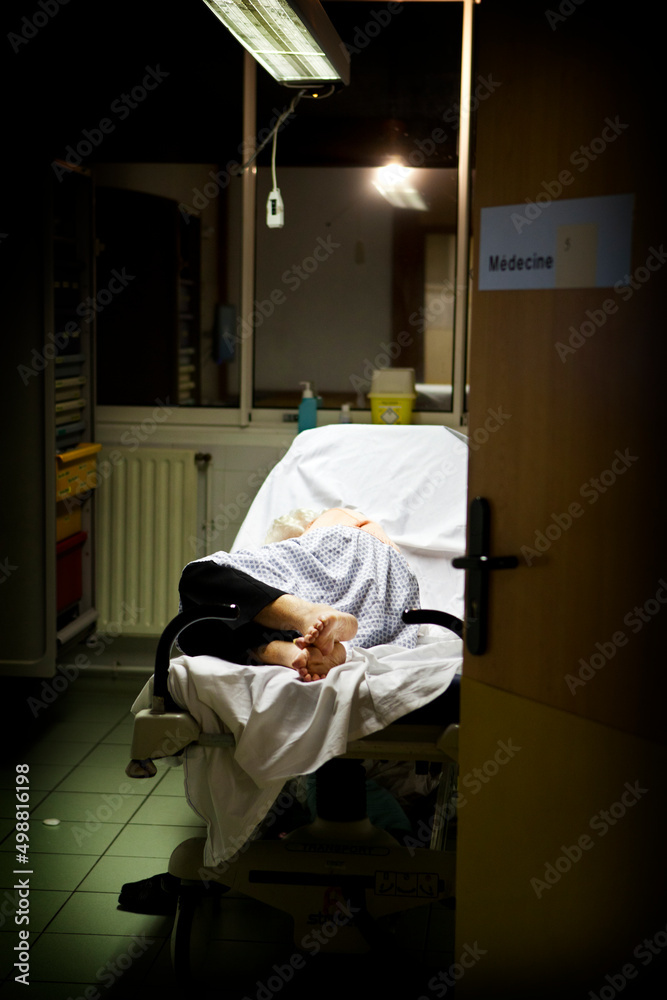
{"points": [[331, 269]]}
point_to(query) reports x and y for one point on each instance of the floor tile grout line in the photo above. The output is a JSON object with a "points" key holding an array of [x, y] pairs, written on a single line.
{"points": [[40, 740]]}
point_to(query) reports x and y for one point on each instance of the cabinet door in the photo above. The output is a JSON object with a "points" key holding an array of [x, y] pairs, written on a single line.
{"points": [[137, 298]]}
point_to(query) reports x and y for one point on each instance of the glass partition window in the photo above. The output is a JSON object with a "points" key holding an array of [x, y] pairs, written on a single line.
{"points": [[352, 284], [363, 275]]}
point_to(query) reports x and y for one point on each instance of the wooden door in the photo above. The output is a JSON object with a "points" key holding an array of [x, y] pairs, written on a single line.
{"points": [[561, 829]]}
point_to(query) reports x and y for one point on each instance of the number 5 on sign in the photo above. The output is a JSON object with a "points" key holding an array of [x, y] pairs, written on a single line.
{"points": [[576, 255]]}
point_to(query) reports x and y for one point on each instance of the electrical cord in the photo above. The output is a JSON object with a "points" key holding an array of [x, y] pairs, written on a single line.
{"points": [[274, 131], [275, 212]]}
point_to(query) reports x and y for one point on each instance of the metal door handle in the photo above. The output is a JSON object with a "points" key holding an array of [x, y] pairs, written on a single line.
{"points": [[479, 563]]}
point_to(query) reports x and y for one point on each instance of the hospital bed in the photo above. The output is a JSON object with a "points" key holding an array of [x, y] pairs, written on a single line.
{"points": [[338, 876]]}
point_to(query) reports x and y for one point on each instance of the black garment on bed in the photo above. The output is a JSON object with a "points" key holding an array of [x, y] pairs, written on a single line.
{"points": [[207, 582]]}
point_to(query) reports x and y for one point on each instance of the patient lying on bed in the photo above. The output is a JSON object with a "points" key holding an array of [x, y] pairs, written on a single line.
{"points": [[303, 598]]}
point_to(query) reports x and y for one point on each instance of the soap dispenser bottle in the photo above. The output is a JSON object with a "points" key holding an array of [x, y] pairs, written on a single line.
{"points": [[307, 408]]}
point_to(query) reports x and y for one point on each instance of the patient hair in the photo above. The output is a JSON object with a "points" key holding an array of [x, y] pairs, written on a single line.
{"points": [[291, 525]]}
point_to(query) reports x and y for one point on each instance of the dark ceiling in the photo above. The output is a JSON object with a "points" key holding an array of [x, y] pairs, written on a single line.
{"points": [[68, 74]]}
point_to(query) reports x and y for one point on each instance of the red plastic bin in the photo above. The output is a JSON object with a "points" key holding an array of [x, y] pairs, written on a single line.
{"points": [[69, 575]]}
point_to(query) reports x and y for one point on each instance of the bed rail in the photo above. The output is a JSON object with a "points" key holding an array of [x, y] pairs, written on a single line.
{"points": [[165, 729], [424, 616], [162, 700]]}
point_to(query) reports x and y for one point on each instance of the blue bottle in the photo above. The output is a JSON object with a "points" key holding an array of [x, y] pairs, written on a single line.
{"points": [[307, 408]]}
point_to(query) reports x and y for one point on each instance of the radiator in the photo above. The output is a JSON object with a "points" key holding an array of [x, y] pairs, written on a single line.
{"points": [[145, 530]]}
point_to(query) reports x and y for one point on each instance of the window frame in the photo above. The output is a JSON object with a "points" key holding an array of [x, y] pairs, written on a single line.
{"points": [[245, 414]]}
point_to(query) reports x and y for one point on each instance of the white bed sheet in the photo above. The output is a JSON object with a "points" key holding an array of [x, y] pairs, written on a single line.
{"points": [[413, 480], [284, 727]]}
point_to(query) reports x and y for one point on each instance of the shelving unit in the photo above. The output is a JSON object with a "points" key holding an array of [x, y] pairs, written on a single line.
{"points": [[72, 299]]}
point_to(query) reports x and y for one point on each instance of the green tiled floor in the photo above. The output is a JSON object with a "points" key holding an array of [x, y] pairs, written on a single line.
{"points": [[82, 945], [112, 830]]}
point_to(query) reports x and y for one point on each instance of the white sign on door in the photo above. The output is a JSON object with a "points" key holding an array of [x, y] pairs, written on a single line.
{"points": [[575, 243]]}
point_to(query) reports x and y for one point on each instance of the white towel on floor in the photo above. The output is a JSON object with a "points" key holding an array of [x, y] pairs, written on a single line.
{"points": [[284, 727]]}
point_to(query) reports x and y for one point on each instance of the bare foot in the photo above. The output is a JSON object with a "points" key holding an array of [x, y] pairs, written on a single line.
{"points": [[309, 662], [328, 627], [320, 625], [279, 653], [313, 665]]}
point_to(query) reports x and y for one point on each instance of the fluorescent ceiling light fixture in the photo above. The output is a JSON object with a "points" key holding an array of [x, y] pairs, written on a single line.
{"points": [[394, 184], [293, 40]]}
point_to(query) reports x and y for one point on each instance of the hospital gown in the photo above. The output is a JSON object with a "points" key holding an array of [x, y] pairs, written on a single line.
{"points": [[282, 727], [343, 567]]}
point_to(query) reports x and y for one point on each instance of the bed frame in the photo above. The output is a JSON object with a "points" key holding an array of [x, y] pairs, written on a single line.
{"points": [[341, 870]]}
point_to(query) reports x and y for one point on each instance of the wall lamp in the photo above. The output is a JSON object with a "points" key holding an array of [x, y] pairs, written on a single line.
{"points": [[393, 182], [293, 40]]}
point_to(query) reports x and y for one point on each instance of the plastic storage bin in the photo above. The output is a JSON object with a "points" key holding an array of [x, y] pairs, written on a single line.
{"points": [[68, 522], [75, 471], [392, 396], [69, 574]]}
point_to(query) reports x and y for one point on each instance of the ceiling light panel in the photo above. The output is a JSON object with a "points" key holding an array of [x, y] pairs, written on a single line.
{"points": [[293, 40]]}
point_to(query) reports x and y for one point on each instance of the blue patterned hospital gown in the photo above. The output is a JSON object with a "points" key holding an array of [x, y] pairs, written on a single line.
{"points": [[346, 568]]}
